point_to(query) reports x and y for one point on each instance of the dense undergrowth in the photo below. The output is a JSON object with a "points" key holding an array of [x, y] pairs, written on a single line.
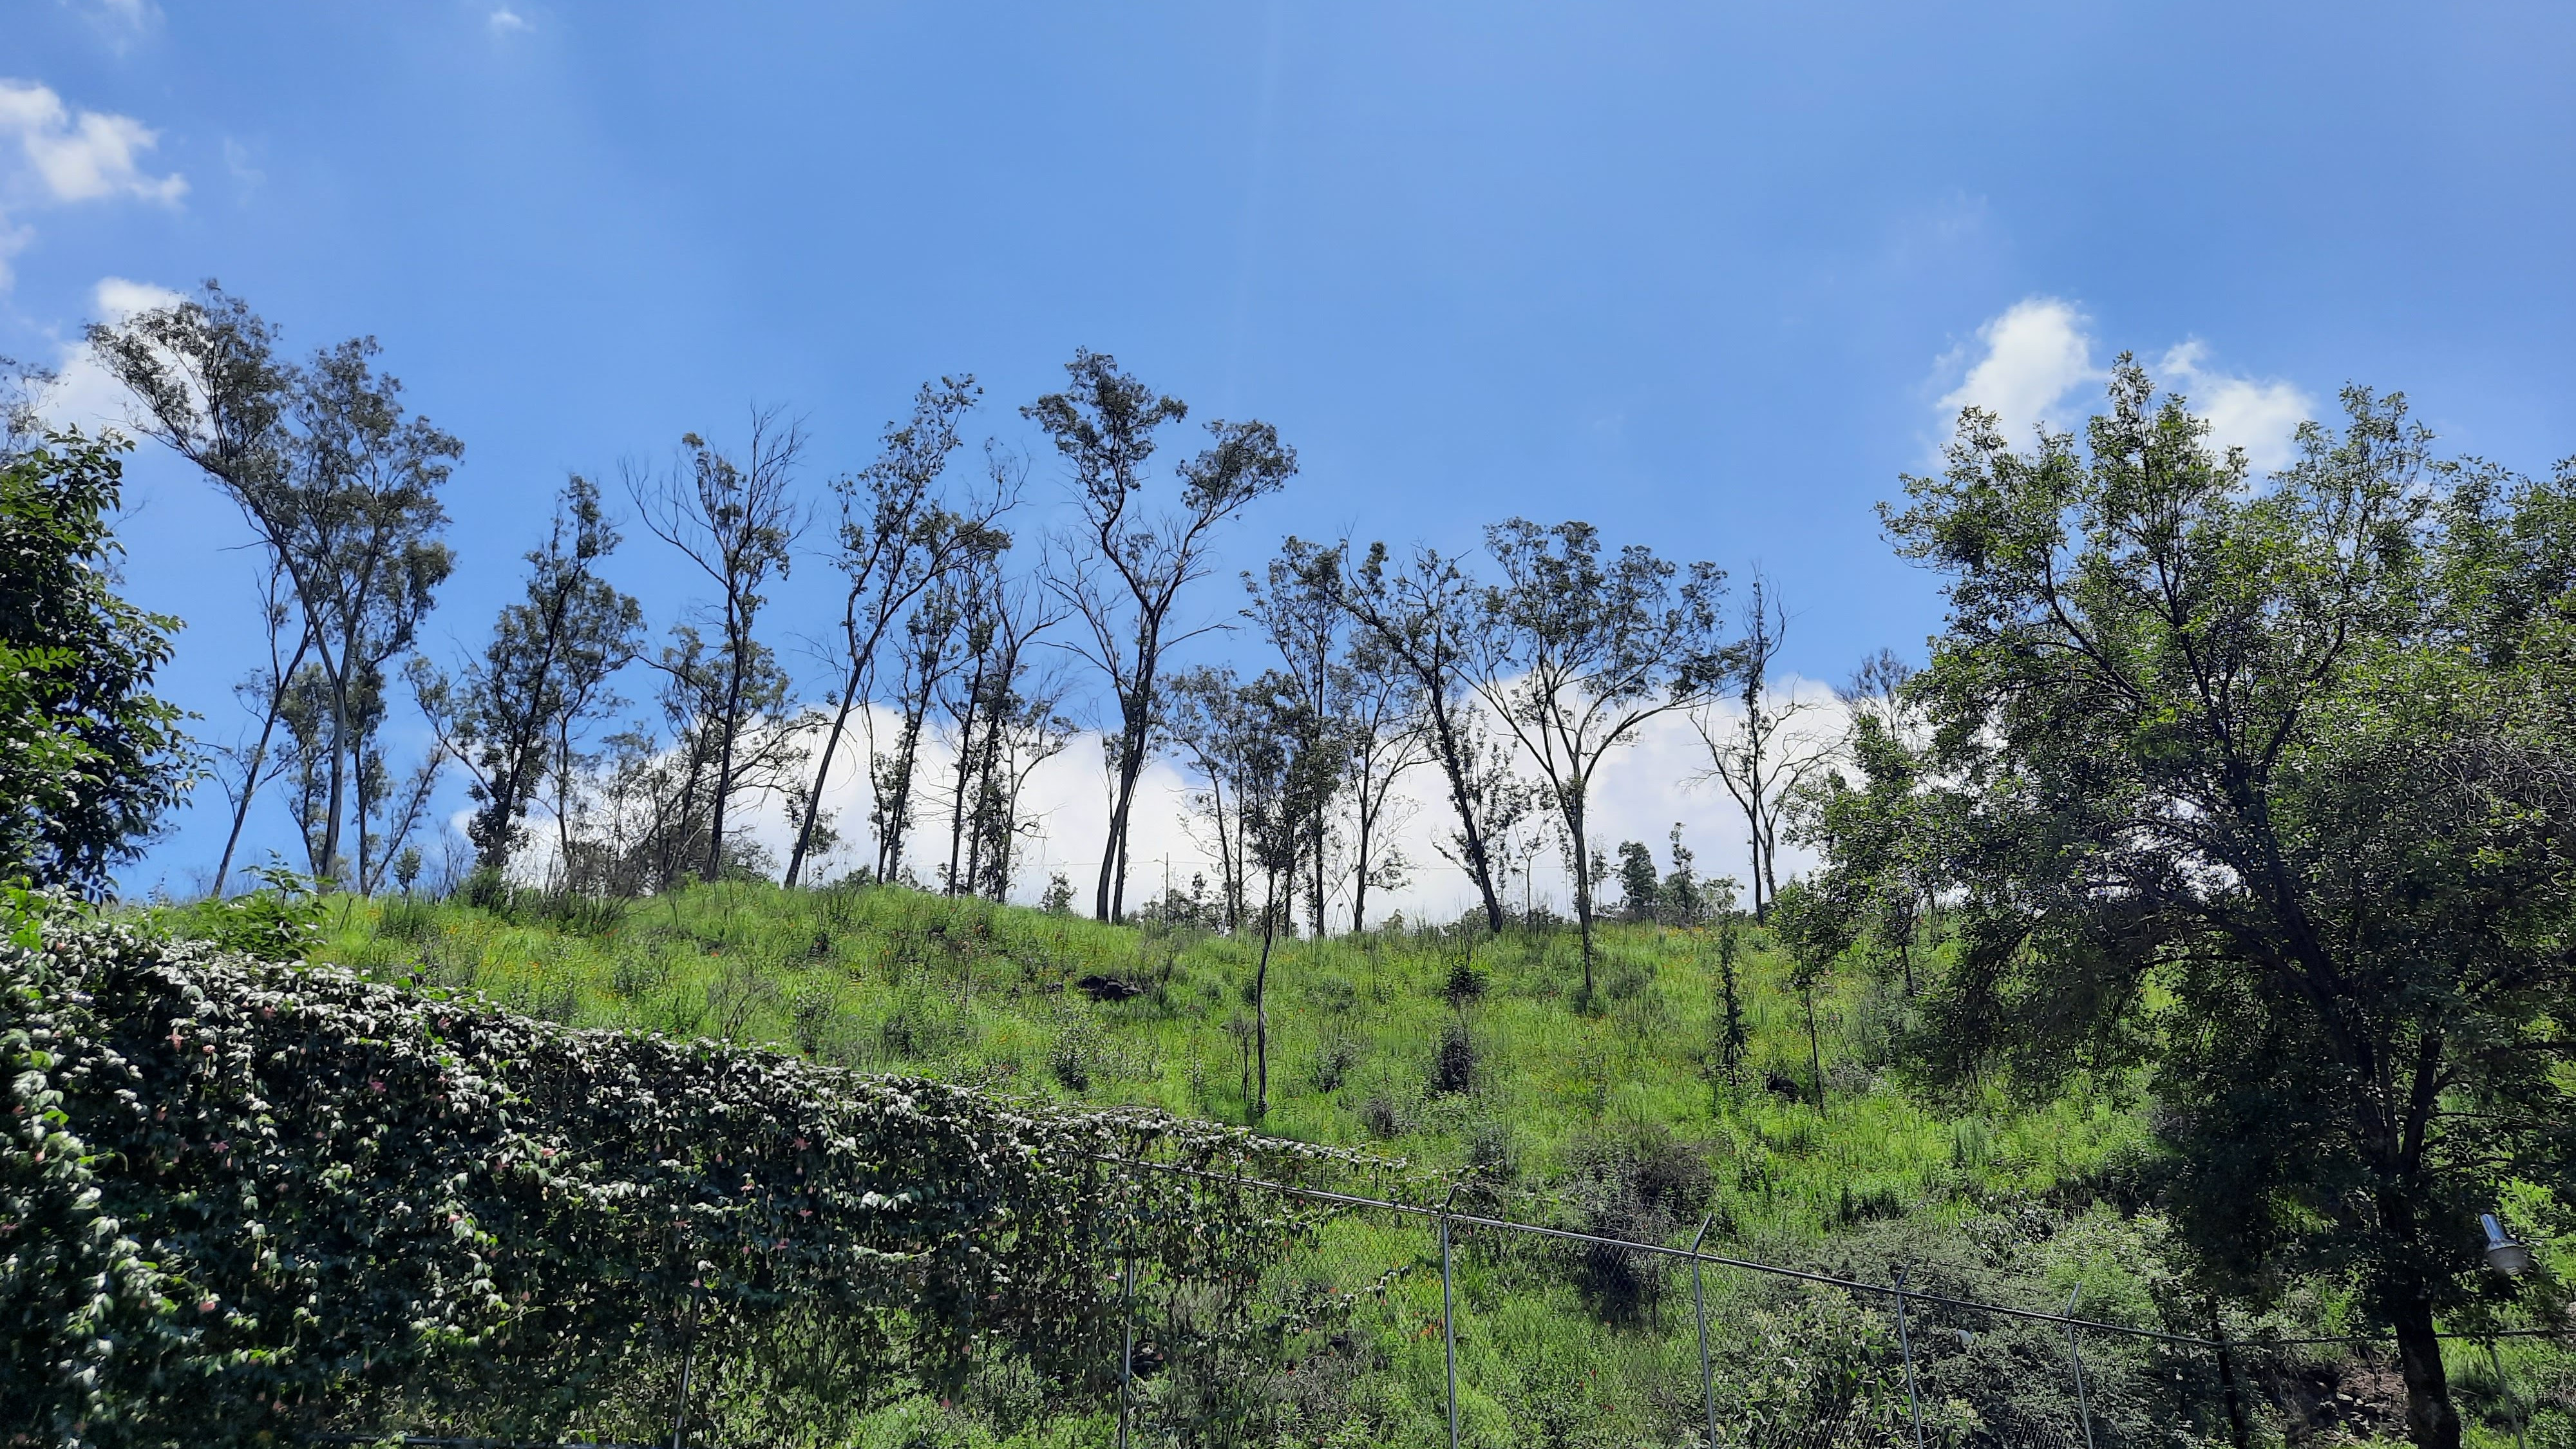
{"points": [[1471, 1059]]}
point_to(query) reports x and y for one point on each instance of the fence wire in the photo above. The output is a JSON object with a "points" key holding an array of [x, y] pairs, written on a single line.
{"points": [[1389, 1319]]}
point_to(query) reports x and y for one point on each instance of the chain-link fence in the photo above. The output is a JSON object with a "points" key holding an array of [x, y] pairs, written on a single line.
{"points": [[1446, 1323], [1389, 1317]]}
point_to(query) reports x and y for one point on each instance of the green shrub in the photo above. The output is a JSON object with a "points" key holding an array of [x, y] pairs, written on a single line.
{"points": [[280, 921], [249, 1201]]}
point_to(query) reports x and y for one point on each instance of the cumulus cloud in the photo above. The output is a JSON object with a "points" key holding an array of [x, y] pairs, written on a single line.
{"points": [[67, 156], [2035, 354], [83, 395], [82, 155], [2034, 364], [1641, 793], [2261, 417], [506, 21]]}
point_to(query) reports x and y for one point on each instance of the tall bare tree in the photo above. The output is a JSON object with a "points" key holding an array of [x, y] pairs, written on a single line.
{"points": [[1122, 571], [1758, 751], [736, 519], [1297, 604], [1425, 615], [895, 539], [509, 717], [1203, 719], [1384, 736], [1578, 651], [243, 767], [1001, 727]]}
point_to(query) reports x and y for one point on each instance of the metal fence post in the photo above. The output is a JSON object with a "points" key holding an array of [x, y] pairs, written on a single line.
{"points": [[1127, 1330], [1449, 1317], [2495, 1362], [2075, 1360], [1699, 1303], [1905, 1345]]}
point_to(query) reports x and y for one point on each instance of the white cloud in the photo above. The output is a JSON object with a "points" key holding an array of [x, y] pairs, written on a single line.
{"points": [[82, 155], [506, 21], [2038, 353], [2261, 417], [1639, 795], [2035, 354], [83, 395], [69, 156]]}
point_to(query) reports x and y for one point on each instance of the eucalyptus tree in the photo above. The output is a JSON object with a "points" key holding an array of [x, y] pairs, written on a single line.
{"points": [[736, 519], [1575, 652], [897, 537], [1296, 603], [363, 532], [1758, 750], [925, 656], [1123, 571], [1285, 762], [336, 480], [243, 767], [1022, 727], [1384, 737], [1425, 615], [512, 717], [2270, 789], [1203, 718], [1000, 728]]}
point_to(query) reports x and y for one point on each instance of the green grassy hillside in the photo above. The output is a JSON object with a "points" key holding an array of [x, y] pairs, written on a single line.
{"points": [[1470, 1057]]}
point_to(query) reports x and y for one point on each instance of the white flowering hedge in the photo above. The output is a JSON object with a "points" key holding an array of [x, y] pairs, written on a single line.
{"points": [[242, 1201]]}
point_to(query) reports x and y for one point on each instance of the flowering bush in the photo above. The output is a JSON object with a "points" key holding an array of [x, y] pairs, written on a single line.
{"points": [[243, 1199]]}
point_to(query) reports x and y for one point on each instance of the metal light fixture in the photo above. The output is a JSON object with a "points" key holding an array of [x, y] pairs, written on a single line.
{"points": [[2506, 1253]]}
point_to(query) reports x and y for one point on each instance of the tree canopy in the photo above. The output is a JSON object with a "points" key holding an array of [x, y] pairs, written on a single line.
{"points": [[90, 757], [2266, 787]]}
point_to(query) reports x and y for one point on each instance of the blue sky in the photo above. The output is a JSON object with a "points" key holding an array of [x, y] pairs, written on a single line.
{"points": [[1710, 277]]}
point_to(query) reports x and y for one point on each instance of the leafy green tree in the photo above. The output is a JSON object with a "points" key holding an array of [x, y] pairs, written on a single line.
{"points": [[1123, 572], [1639, 885], [90, 758], [1579, 651], [1875, 873], [340, 484], [1816, 934], [2266, 787]]}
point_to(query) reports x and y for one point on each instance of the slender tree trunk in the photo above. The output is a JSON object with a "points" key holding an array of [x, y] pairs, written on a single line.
{"points": [[965, 772], [822, 769], [1261, 996], [1815, 1048], [1136, 715], [1582, 883], [730, 727], [341, 744], [258, 759], [1454, 764], [1359, 877]]}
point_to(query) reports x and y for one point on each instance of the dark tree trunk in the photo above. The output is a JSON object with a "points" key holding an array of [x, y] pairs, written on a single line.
{"points": [[2431, 1421]]}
